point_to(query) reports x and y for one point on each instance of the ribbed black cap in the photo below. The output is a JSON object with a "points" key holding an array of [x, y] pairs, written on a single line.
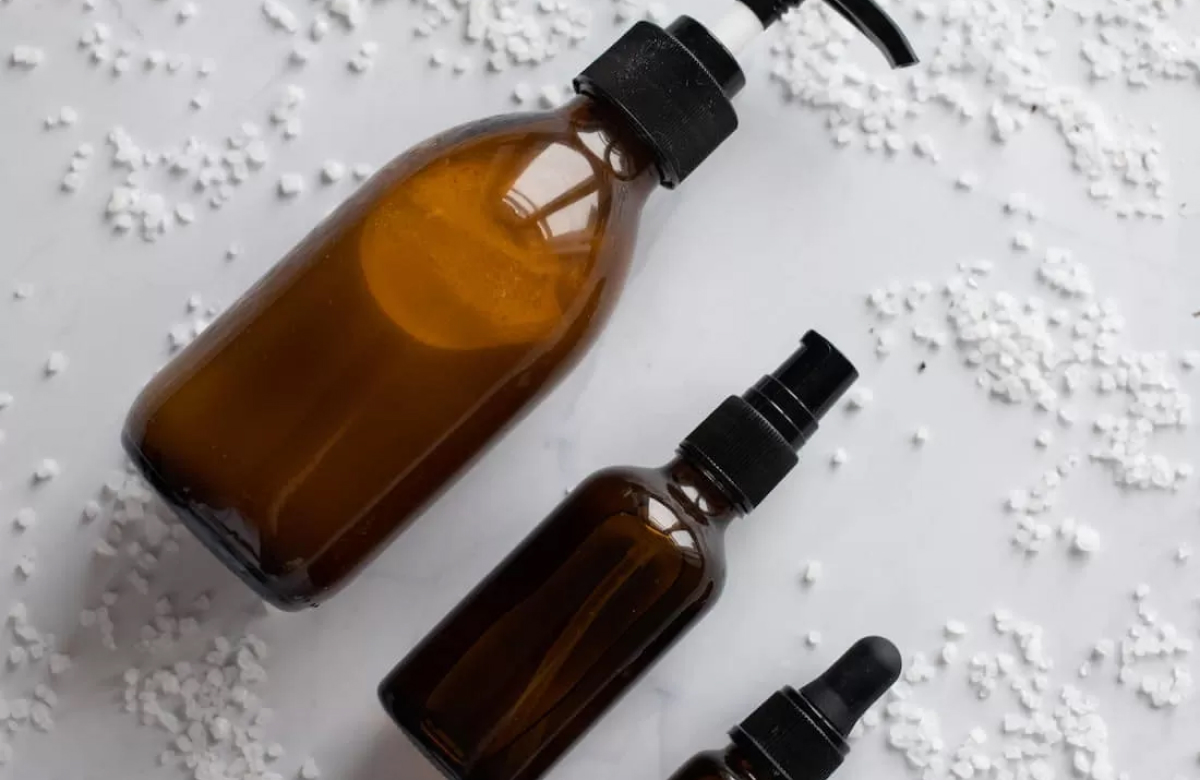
{"points": [[801, 735], [673, 86], [749, 444]]}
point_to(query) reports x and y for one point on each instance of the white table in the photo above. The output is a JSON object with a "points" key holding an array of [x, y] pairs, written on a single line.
{"points": [[778, 233]]}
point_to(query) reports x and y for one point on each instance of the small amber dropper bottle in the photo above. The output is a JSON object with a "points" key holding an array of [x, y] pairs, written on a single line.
{"points": [[802, 735], [604, 585], [320, 413]]}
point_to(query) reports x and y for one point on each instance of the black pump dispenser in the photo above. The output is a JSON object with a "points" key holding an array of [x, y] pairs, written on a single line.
{"points": [[674, 85], [748, 444], [801, 735]]}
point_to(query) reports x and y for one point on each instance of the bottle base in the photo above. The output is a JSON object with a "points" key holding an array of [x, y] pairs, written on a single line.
{"points": [[214, 537], [433, 756]]}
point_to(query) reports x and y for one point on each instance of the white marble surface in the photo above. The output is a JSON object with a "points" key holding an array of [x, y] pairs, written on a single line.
{"points": [[779, 232]]}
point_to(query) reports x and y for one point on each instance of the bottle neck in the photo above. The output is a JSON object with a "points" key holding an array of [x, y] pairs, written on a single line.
{"points": [[739, 766], [696, 489], [606, 134]]}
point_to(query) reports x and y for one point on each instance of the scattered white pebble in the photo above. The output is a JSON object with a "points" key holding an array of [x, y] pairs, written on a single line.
{"points": [[812, 572], [1044, 439], [361, 171], [839, 457], [920, 435], [812, 638], [967, 181]]}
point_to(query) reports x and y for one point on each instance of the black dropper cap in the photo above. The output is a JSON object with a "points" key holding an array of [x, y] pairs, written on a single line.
{"points": [[674, 86], [801, 735], [748, 444]]}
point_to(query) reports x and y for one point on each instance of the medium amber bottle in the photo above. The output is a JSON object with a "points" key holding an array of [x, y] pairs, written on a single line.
{"points": [[802, 735], [603, 586], [325, 408]]}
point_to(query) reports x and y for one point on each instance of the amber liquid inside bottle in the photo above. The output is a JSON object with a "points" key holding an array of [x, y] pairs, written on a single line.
{"points": [[549, 640], [318, 415]]}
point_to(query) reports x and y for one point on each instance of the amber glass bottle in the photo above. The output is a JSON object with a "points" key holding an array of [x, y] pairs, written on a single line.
{"points": [[802, 735], [334, 399], [315, 418], [604, 585]]}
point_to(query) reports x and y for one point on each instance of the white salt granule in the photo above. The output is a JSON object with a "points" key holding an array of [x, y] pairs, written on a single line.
{"points": [[812, 572], [290, 185], [332, 172], [955, 629], [361, 171], [920, 436], [24, 519], [56, 363], [860, 398], [523, 92], [839, 457], [26, 565], [812, 638], [280, 16], [26, 56], [967, 181], [309, 770], [46, 470], [1086, 540]]}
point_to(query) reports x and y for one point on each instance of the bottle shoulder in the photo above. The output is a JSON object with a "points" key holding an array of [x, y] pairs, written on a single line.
{"points": [[644, 504]]}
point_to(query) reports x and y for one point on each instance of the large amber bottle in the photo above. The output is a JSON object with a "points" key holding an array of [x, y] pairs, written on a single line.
{"points": [[341, 393], [332, 402]]}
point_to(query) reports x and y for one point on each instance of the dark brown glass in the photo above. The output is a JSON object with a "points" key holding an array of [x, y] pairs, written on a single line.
{"points": [[314, 419], [558, 631], [728, 764]]}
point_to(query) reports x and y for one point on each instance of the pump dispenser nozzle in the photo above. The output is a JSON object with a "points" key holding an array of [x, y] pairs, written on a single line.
{"points": [[749, 444], [673, 86], [801, 735], [864, 15]]}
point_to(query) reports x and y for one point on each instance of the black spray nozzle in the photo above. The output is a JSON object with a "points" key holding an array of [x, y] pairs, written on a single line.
{"points": [[749, 443], [801, 735], [854, 682], [800, 392], [864, 15]]}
